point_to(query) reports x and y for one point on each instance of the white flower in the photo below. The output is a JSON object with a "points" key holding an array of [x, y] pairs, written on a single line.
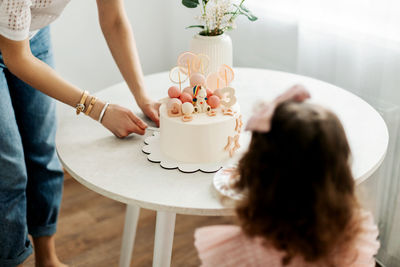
{"points": [[218, 16]]}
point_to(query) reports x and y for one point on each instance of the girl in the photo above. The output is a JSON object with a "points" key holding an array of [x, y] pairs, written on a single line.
{"points": [[299, 208], [31, 177]]}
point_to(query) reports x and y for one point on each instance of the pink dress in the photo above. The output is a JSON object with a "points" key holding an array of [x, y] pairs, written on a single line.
{"points": [[227, 245]]}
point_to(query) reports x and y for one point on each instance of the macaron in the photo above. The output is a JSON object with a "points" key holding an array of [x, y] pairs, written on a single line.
{"points": [[187, 108], [174, 92], [197, 79], [213, 101], [185, 97]]}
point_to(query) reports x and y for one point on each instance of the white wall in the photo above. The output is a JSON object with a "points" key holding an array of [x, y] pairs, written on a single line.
{"points": [[81, 52], [82, 56]]}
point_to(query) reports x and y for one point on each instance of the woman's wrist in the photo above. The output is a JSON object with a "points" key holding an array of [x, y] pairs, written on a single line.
{"points": [[142, 100], [91, 106], [139, 93], [96, 110]]}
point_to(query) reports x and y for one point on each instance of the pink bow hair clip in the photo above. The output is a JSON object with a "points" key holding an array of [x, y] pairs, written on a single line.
{"points": [[261, 119]]}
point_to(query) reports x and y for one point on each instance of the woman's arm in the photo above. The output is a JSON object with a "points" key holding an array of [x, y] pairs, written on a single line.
{"points": [[119, 36], [19, 60]]}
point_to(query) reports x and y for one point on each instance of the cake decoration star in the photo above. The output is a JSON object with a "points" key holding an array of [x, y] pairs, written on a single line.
{"points": [[232, 140], [228, 145], [239, 124]]}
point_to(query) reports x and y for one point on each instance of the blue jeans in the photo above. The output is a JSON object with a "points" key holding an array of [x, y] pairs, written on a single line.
{"points": [[31, 177]]}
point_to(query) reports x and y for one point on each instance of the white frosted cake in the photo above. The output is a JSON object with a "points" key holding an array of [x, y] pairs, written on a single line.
{"points": [[202, 122], [203, 140]]}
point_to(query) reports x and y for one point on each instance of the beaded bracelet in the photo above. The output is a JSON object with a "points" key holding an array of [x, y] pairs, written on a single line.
{"points": [[80, 107], [103, 111]]}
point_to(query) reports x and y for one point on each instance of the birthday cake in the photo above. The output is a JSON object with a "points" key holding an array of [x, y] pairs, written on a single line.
{"points": [[200, 122]]}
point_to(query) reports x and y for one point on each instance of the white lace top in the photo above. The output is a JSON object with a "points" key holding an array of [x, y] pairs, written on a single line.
{"points": [[20, 19]]}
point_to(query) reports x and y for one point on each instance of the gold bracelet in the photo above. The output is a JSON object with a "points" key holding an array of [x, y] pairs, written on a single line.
{"points": [[92, 102], [80, 107]]}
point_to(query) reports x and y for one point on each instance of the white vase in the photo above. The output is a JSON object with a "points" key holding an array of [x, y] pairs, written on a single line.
{"points": [[217, 48]]}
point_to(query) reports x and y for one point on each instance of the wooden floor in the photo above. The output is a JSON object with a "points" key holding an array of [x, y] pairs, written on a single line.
{"points": [[90, 231]]}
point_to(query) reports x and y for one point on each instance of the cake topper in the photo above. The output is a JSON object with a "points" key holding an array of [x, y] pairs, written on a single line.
{"points": [[174, 107], [201, 63], [203, 94], [187, 110], [200, 99], [186, 62], [177, 76], [213, 101], [226, 74], [197, 79], [227, 96], [232, 145], [214, 82], [185, 97], [174, 92]]}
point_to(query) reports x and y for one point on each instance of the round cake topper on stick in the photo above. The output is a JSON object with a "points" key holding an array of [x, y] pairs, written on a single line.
{"points": [[214, 82], [201, 63], [186, 62], [226, 73], [177, 76]]}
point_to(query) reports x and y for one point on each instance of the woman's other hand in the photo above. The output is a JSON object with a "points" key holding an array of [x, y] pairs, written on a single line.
{"points": [[122, 122], [151, 109]]}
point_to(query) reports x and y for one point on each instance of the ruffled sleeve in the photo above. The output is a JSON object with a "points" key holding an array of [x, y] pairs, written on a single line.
{"points": [[15, 19], [228, 246], [367, 243]]}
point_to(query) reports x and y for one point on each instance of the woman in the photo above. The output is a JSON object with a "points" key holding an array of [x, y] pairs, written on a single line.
{"points": [[30, 174]]}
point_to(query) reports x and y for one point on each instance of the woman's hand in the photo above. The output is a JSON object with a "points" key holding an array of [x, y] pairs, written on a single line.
{"points": [[151, 109], [122, 122]]}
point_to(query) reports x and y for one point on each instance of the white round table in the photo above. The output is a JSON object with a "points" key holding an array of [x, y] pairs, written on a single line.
{"points": [[118, 169]]}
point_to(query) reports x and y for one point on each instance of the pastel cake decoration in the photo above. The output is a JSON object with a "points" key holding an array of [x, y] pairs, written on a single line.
{"points": [[200, 123]]}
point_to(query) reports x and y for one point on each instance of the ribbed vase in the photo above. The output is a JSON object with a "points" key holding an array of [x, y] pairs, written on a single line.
{"points": [[218, 48]]}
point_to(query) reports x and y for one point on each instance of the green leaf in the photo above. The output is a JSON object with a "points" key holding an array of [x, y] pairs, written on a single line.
{"points": [[250, 16], [196, 26], [245, 11], [244, 8], [190, 3]]}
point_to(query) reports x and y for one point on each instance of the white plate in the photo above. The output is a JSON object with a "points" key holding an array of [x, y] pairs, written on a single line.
{"points": [[223, 183]]}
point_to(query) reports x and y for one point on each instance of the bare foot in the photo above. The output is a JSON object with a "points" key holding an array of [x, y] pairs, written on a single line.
{"points": [[45, 252]]}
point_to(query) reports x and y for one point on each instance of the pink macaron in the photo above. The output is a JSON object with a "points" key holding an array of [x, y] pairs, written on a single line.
{"points": [[213, 101], [188, 90], [185, 97], [209, 93], [174, 92], [197, 79]]}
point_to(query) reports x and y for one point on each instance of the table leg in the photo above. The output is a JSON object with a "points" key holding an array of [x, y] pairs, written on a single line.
{"points": [[128, 238], [165, 227]]}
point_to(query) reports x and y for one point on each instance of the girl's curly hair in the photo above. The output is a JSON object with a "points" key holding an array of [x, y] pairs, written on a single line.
{"points": [[299, 187]]}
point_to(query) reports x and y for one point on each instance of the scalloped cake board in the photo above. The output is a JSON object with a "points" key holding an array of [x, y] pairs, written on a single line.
{"points": [[154, 154]]}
